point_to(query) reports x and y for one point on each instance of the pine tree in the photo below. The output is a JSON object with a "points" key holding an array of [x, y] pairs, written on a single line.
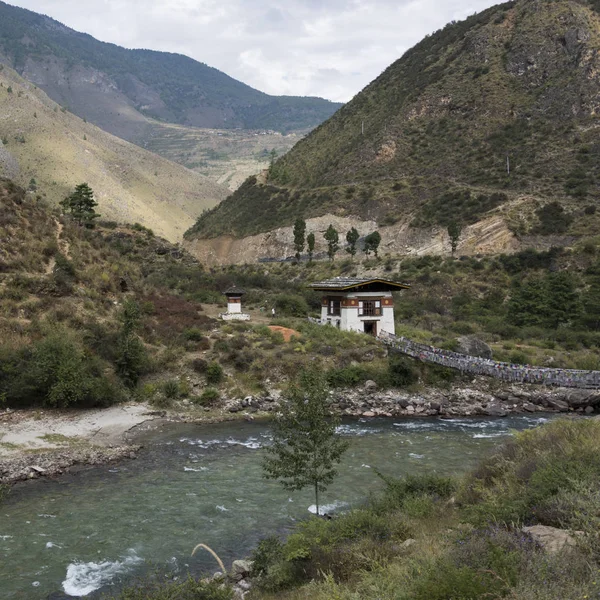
{"points": [[372, 242], [310, 242], [81, 204], [306, 446], [333, 241], [299, 236], [352, 237], [454, 232]]}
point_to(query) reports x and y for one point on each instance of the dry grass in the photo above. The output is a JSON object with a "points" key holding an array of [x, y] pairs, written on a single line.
{"points": [[60, 150]]}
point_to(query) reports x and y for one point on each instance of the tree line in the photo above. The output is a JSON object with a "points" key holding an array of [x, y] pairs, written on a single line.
{"points": [[332, 237]]}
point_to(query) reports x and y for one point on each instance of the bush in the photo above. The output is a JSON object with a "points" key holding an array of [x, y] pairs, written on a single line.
{"points": [[398, 491], [209, 396], [290, 305], [532, 476], [402, 371], [214, 373], [189, 589], [199, 365], [56, 373], [171, 389]]}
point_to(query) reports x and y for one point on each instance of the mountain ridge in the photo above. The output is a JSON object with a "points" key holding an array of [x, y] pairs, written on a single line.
{"points": [[44, 147], [75, 69], [491, 116]]}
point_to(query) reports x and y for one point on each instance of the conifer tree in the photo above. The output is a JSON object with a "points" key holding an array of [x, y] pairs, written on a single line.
{"points": [[306, 446], [372, 242], [454, 232], [333, 241], [310, 243], [81, 204], [352, 237], [299, 236]]}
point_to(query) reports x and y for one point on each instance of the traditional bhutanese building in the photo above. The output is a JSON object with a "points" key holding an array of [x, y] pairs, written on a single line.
{"points": [[364, 305]]}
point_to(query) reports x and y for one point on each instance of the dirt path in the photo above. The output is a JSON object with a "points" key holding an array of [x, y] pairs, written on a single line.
{"points": [[63, 246]]}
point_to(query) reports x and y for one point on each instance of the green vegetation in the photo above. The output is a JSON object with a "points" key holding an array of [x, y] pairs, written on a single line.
{"points": [[466, 542], [333, 241], [306, 447], [80, 205], [352, 238], [447, 139], [299, 237], [372, 242]]}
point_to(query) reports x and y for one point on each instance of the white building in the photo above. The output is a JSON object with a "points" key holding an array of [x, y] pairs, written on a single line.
{"points": [[363, 305], [234, 305]]}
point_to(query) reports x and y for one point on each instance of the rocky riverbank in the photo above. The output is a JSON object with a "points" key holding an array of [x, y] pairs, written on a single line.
{"points": [[477, 399], [36, 443]]}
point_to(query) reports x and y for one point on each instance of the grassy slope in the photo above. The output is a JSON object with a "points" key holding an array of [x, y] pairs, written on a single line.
{"points": [[226, 156], [63, 285], [517, 79], [167, 86], [59, 150]]}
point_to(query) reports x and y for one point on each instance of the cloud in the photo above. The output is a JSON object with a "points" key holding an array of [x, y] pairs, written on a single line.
{"points": [[328, 48]]}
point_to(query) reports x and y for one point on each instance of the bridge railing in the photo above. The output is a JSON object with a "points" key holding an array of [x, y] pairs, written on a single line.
{"points": [[500, 370]]}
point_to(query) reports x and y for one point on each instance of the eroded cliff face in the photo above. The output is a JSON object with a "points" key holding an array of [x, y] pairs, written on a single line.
{"points": [[490, 236]]}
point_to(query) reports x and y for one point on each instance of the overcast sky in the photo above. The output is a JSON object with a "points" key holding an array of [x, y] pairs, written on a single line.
{"points": [[327, 48]]}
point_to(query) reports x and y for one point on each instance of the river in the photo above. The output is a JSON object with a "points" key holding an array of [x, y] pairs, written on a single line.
{"points": [[193, 484]]}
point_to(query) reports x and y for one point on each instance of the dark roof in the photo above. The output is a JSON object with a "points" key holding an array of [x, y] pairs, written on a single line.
{"points": [[348, 283], [234, 291]]}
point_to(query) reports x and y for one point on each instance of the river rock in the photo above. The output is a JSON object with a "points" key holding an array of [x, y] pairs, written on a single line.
{"points": [[551, 539], [368, 414], [589, 410], [473, 346], [557, 404], [370, 386], [241, 569], [494, 410], [529, 407]]}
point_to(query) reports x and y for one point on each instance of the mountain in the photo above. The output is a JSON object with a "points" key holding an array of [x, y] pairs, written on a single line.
{"points": [[44, 146], [483, 122], [122, 90]]}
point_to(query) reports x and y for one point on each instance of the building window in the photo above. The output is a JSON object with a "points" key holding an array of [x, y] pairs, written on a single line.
{"points": [[369, 308], [334, 307]]}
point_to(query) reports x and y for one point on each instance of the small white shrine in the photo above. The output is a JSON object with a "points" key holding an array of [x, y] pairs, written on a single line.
{"points": [[234, 305], [363, 305]]}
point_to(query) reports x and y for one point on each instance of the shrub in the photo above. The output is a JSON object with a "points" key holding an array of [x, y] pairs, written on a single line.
{"points": [[209, 396], [189, 589], [199, 365], [531, 477], [402, 371], [170, 389], [214, 373], [290, 305]]}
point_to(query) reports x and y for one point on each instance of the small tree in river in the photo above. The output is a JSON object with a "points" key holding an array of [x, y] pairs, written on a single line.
{"points": [[81, 205], [352, 237], [306, 446], [454, 232], [333, 241], [299, 236], [310, 243], [372, 242]]}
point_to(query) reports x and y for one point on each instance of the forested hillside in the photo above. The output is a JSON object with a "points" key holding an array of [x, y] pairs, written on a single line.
{"points": [[493, 115]]}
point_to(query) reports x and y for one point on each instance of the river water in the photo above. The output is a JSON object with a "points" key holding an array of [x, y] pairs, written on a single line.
{"points": [[203, 484]]}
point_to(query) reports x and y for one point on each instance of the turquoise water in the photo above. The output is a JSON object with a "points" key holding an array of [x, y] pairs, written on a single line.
{"points": [[83, 534]]}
